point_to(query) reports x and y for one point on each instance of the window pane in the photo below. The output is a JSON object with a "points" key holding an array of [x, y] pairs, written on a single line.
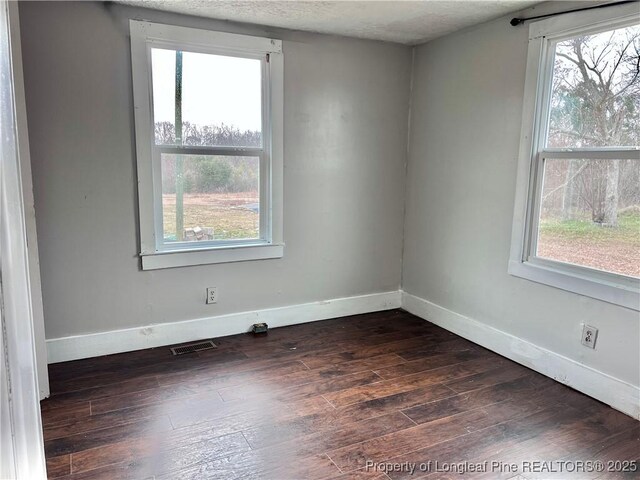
{"points": [[163, 64], [590, 214], [595, 100], [220, 99], [220, 197]]}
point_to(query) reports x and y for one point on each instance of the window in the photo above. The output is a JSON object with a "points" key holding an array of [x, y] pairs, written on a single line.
{"points": [[208, 115], [577, 215]]}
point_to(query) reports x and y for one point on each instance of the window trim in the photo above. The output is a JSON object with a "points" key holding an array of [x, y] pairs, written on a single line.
{"points": [[153, 251], [609, 287]]}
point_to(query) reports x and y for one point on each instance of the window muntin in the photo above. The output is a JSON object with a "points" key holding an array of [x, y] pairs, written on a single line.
{"points": [[213, 104]]}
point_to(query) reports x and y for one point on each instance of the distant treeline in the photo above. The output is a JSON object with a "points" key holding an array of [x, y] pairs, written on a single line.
{"points": [[209, 174], [218, 135]]}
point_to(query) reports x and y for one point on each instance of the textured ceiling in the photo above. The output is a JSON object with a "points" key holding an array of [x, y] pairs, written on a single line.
{"points": [[408, 22]]}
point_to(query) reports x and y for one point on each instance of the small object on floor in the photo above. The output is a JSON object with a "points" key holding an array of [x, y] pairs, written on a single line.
{"points": [[260, 328]]}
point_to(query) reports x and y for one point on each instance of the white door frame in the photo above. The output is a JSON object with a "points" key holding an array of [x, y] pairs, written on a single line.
{"points": [[24, 457], [27, 196]]}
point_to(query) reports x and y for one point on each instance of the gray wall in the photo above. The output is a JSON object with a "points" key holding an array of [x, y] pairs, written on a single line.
{"points": [[345, 119], [465, 133]]}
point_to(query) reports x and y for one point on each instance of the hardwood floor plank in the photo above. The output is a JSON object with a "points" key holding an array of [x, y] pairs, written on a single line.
{"points": [[312, 434], [136, 372], [481, 443], [107, 436], [591, 439], [134, 470], [438, 346], [431, 363], [98, 422], [64, 415], [193, 438], [126, 452], [591, 430], [223, 425], [151, 396], [160, 457], [397, 401], [58, 466], [93, 393], [519, 454], [238, 373], [190, 388], [382, 448], [408, 382], [257, 466], [309, 376], [488, 378], [199, 413], [322, 387], [559, 445], [463, 402], [623, 450], [357, 351]]}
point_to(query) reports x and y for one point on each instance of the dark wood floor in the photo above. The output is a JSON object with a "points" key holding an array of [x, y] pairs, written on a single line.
{"points": [[319, 401]]}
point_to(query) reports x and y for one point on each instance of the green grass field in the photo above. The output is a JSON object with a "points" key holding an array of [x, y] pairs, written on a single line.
{"points": [[225, 212], [628, 229], [615, 249]]}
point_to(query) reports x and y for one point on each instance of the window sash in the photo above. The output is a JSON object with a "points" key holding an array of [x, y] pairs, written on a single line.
{"points": [[265, 226], [225, 52], [533, 223], [545, 77]]}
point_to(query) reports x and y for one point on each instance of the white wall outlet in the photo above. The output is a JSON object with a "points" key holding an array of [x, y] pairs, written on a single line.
{"points": [[212, 294], [589, 336]]}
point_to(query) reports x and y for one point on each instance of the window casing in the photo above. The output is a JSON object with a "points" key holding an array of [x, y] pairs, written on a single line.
{"points": [[535, 154], [157, 249]]}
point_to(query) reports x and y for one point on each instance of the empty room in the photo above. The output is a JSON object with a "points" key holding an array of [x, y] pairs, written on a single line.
{"points": [[320, 240]]}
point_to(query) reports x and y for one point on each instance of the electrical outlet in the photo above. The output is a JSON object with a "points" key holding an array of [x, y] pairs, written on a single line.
{"points": [[212, 294], [589, 336]]}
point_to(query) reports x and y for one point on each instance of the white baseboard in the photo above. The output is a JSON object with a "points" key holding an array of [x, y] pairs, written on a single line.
{"points": [[117, 341], [610, 390]]}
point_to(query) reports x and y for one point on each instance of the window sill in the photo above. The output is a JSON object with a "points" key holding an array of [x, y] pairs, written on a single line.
{"points": [[625, 293], [227, 254]]}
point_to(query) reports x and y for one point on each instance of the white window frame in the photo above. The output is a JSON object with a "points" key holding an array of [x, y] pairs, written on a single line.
{"points": [[543, 35], [154, 251]]}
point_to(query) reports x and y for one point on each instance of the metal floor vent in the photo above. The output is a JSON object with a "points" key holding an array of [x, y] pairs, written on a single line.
{"points": [[193, 347]]}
